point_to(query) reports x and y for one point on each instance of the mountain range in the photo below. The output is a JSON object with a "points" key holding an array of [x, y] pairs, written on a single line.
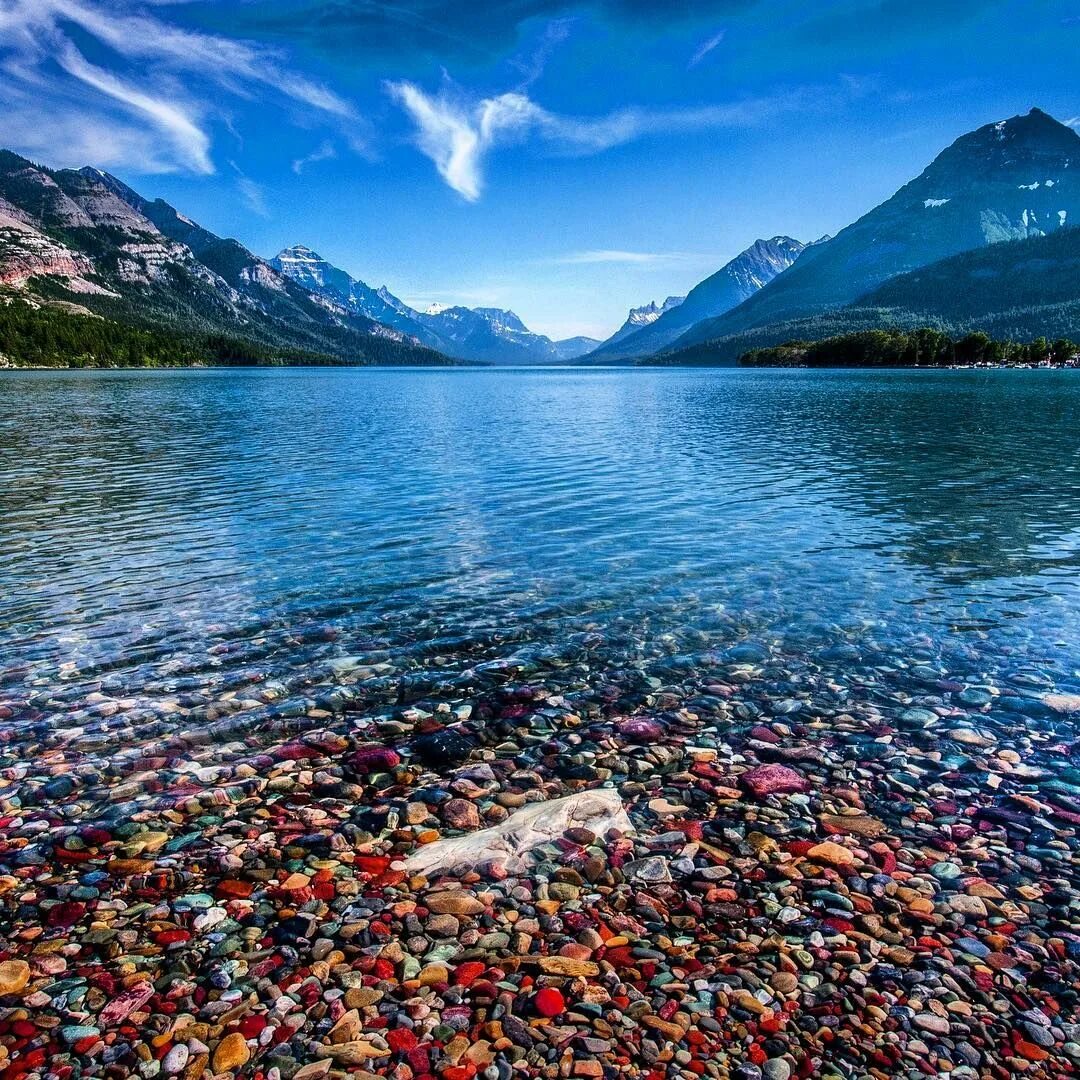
{"points": [[485, 335], [1000, 185], [981, 239], [84, 239]]}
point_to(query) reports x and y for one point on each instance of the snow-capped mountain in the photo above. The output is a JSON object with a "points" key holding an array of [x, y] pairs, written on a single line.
{"points": [[1009, 180], [484, 335], [310, 270], [649, 329], [643, 316], [488, 335]]}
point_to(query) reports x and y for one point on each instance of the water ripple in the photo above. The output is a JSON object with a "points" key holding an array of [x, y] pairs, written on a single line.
{"points": [[204, 499]]}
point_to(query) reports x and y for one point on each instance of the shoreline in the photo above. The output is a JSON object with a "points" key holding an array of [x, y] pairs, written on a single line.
{"points": [[466, 365]]}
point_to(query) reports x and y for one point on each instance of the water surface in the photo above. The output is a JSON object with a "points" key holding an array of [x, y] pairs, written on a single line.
{"points": [[146, 518]]}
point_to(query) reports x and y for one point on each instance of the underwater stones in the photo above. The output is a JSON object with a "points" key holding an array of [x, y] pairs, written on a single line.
{"points": [[442, 748], [641, 730], [788, 868], [14, 976], [766, 780]]}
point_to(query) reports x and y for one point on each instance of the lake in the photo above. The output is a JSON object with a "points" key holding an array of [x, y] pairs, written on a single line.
{"points": [[689, 716], [180, 506]]}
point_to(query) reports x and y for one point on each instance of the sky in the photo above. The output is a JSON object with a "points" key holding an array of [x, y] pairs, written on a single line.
{"points": [[568, 160]]}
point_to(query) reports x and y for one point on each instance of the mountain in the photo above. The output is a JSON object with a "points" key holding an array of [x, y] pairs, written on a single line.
{"points": [[1006, 181], [1014, 290], [488, 335], [1010, 284], [315, 274], [745, 275], [574, 348], [484, 335], [640, 317], [85, 239]]}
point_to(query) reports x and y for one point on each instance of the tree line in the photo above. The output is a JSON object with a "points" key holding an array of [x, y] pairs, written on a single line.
{"points": [[54, 336], [924, 347]]}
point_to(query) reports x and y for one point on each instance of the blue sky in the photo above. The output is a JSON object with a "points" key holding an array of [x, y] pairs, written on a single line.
{"points": [[567, 160]]}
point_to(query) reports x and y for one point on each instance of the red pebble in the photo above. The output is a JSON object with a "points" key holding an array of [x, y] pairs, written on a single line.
{"points": [[467, 973], [549, 1002], [400, 1040], [66, 914], [251, 1026]]}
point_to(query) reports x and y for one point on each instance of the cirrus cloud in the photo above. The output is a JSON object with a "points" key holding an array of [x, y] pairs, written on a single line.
{"points": [[458, 132], [630, 258], [148, 99]]}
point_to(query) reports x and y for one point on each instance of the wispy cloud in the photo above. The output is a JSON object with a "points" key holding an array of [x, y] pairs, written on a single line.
{"points": [[151, 93], [458, 132], [705, 48], [252, 193], [532, 67], [325, 152], [634, 258], [191, 143]]}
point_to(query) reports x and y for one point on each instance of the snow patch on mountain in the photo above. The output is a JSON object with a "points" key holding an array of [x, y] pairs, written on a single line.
{"points": [[733, 283]]}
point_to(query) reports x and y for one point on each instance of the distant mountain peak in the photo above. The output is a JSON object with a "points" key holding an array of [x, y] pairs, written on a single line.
{"points": [[299, 251], [507, 319], [651, 327], [574, 348], [1034, 137], [650, 312]]}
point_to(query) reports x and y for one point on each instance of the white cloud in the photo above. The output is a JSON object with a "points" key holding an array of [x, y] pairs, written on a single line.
{"points": [[705, 48], [192, 144], [150, 80], [458, 133], [642, 258], [324, 152], [253, 194], [447, 134]]}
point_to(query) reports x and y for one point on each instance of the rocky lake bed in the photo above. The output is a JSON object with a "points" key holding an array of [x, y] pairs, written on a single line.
{"points": [[745, 749], [835, 864]]}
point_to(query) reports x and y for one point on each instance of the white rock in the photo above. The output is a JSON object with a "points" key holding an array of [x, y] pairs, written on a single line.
{"points": [[504, 845]]}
